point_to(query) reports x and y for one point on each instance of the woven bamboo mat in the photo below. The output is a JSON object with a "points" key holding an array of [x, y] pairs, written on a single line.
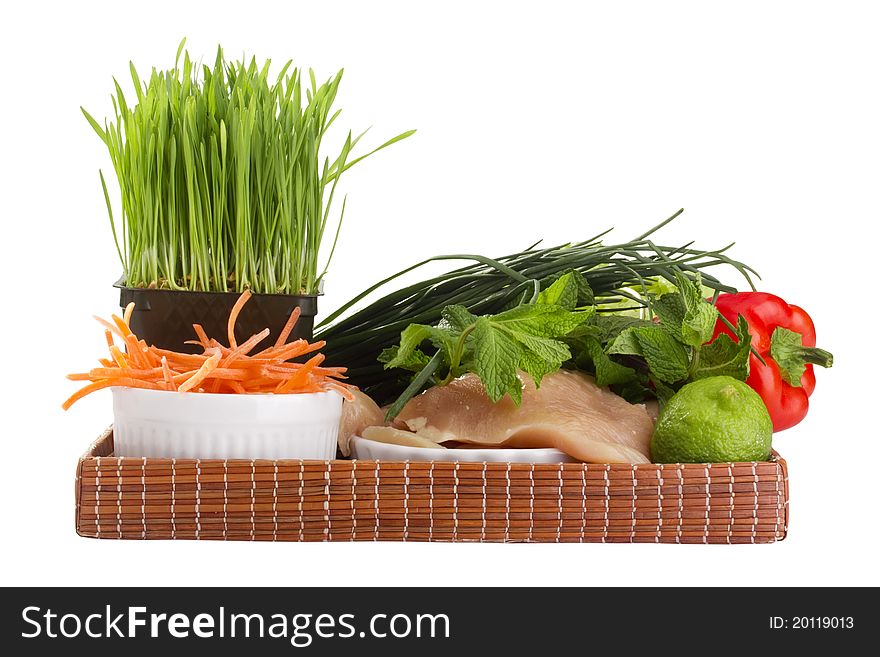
{"points": [[292, 500]]}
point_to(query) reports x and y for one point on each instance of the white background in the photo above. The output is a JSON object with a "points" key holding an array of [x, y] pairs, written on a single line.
{"points": [[544, 120]]}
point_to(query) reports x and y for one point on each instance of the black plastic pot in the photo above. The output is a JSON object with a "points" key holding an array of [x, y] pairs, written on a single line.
{"points": [[165, 318]]}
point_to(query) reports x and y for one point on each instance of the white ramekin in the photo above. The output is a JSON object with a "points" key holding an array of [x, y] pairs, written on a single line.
{"points": [[160, 424]]}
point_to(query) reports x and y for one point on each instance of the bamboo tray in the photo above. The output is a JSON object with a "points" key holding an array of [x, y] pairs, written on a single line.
{"points": [[291, 500]]}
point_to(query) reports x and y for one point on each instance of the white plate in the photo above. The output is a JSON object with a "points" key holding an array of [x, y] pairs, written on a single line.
{"points": [[371, 450]]}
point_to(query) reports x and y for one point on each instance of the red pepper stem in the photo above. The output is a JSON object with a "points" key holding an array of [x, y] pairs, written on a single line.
{"points": [[817, 356]]}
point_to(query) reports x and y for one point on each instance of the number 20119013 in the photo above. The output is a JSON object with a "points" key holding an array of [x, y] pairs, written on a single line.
{"points": [[812, 623]]}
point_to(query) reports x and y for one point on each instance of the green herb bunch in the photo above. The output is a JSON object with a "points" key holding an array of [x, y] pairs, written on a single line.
{"points": [[560, 327], [222, 180], [620, 277], [643, 358], [527, 337]]}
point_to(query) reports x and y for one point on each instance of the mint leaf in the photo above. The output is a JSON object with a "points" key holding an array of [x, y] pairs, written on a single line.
{"points": [[699, 324], [666, 357], [527, 337], [458, 317], [607, 371], [495, 359], [671, 310], [567, 290], [413, 362], [546, 348], [691, 291], [542, 320], [411, 339], [726, 357], [535, 366], [627, 342], [609, 326]]}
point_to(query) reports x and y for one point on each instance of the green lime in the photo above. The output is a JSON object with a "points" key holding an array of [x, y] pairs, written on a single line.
{"points": [[711, 421]]}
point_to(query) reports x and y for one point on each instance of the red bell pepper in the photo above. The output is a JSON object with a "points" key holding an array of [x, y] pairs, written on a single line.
{"points": [[785, 337]]}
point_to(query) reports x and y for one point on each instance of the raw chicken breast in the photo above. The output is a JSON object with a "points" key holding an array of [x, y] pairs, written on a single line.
{"points": [[396, 436], [357, 414], [568, 412]]}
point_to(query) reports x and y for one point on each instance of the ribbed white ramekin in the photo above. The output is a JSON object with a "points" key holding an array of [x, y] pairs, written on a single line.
{"points": [[160, 424]]}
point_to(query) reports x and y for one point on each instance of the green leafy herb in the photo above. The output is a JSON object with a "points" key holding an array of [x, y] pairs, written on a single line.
{"points": [[528, 337], [637, 355], [698, 323], [666, 357], [495, 360], [607, 372], [724, 357], [611, 272]]}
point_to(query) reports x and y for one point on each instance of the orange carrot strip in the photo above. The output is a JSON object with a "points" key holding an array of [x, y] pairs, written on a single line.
{"points": [[107, 383], [288, 326], [133, 349], [245, 347], [152, 357], [118, 356], [229, 374], [301, 377], [81, 376], [272, 352], [237, 387], [183, 376], [108, 336], [294, 349], [99, 373], [110, 326], [191, 359], [106, 362], [200, 333], [233, 317], [167, 375], [121, 325], [207, 367]]}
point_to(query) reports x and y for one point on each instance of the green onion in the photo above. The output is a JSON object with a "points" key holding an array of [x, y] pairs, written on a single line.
{"points": [[223, 186], [490, 285]]}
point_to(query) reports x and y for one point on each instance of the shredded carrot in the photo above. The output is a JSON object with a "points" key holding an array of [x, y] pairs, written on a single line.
{"points": [[106, 383], [218, 369], [207, 367], [167, 374], [302, 376], [124, 331], [133, 350], [110, 326], [245, 347], [203, 337], [233, 317], [118, 356], [288, 327]]}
